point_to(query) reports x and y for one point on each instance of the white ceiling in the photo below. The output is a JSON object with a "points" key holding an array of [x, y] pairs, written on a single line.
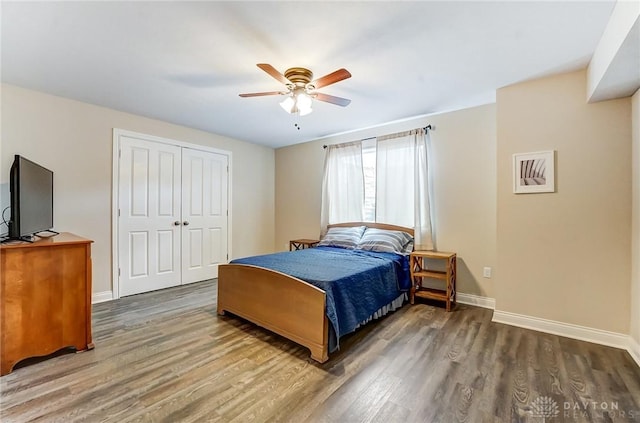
{"points": [[186, 62]]}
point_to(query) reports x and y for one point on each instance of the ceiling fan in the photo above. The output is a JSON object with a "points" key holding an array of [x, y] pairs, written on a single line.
{"points": [[301, 89]]}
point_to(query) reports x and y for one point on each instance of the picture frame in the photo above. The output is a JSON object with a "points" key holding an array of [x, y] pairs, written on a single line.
{"points": [[534, 172]]}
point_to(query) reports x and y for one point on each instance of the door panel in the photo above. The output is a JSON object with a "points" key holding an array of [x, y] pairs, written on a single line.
{"points": [[169, 191], [139, 250], [218, 177], [149, 204], [204, 179], [217, 245], [194, 248], [196, 181], [139, 185], [166, 260]]}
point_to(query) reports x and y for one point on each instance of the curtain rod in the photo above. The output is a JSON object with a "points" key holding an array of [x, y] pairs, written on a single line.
{"points": [[426, 128]]}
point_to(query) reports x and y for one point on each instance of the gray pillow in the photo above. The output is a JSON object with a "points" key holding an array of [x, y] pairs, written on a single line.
{"points": [[342, 237], [384, 240]]}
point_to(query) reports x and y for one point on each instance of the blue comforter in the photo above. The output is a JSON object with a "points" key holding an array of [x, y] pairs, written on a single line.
{"points": [[357, 283]]}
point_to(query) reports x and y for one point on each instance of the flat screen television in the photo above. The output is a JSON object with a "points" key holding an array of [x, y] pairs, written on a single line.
{"points": [[31, 192]]}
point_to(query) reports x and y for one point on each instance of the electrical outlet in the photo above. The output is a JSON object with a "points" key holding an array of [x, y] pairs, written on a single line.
{"points": [[486, 272]]}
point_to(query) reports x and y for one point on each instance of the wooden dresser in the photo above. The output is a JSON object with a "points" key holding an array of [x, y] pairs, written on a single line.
{"points": [[45, 298]]}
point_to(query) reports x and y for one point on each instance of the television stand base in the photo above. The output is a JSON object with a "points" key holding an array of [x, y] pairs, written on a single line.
{"points": [[49, 231], [28, 239]]}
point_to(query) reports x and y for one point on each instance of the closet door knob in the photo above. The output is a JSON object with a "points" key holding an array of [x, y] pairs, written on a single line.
{"points": [[185, 223], [176, 223]]}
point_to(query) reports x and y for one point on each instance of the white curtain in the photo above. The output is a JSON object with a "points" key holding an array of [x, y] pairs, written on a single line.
{"points": [[342, 185], [402, 191]]}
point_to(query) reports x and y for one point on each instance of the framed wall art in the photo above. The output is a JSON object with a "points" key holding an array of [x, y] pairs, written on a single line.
{"points": [[534, 172]]}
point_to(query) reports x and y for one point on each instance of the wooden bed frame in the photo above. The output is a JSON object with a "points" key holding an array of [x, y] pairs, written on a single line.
{"points": [[281, 303]]}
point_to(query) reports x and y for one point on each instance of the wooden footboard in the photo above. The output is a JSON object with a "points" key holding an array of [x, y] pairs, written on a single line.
{"points": [[283, 304]]}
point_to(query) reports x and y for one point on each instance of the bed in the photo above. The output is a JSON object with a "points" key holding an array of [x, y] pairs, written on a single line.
{"points": [[315, 296]]}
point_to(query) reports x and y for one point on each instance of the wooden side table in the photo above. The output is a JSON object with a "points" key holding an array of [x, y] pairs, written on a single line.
{"points": [[301, 244], [420, 271]]}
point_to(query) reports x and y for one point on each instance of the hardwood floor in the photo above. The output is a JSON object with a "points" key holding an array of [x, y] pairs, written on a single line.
{"points": [[166, 356]]}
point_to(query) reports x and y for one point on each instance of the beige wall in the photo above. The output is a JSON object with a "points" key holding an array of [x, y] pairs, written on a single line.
{"points": [[463, 167], [635, 223], [565, 256], [74, 140]]}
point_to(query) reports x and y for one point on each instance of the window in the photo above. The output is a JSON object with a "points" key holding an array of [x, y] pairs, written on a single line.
{"points": [[342, 185], [387, 167], [395, 188], [382, 180], [369, 170]]}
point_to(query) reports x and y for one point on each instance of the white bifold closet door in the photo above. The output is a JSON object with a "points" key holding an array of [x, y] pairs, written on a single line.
{"points": [[204, 214], [172, 224]]}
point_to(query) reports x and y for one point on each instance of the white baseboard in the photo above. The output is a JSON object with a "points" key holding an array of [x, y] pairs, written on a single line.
{"points": [[101, 297], [634, 350], [476, 300], [582, 333]]}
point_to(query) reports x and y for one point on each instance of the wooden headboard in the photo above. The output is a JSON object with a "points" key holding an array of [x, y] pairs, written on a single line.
{"points": [[373, 225]]}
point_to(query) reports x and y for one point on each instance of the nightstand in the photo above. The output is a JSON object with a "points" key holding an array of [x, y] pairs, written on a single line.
{"points": [[420, 271], [301, 244]]}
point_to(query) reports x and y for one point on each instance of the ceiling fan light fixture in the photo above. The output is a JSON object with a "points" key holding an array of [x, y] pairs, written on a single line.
{"points": [[288, 104], [301, 88], [303, 102], [298, 102]]}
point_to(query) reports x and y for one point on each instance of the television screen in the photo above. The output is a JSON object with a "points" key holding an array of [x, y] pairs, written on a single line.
{"points": [[31, 188]]}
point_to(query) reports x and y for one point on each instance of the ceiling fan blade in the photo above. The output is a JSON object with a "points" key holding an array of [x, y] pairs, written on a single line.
{"points": [[261, 94], [332, 99], [332, 78], [274, 73]]}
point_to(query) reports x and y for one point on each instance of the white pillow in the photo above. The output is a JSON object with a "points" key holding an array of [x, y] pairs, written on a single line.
{"points": [[342, 237], [384, 240]]}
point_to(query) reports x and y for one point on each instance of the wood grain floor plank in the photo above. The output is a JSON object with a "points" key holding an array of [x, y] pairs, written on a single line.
{"points": [[167, 356], [392, 412]]}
